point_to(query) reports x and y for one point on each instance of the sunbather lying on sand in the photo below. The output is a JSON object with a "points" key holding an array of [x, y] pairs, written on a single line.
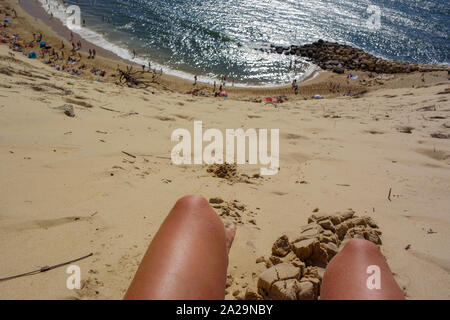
{"points": [[188, 259]]}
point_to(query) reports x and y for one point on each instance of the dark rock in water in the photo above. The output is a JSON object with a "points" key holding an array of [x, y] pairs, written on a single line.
{"points": [[339, 70], [333, 62], [339, 57]]}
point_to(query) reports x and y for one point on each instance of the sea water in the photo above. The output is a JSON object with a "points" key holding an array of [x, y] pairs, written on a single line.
{"points": [[213, 38]]}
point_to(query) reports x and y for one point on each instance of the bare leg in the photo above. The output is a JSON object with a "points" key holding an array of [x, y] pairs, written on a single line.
{"points": [[346, 275], [188, 257]]}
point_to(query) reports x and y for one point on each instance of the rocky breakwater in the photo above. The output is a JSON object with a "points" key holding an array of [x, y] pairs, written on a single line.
{"points": [[338, 58], [297, 264]]}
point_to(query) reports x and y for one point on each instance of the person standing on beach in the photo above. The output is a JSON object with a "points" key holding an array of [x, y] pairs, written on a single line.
{"points": [[134, 54], [149, 66], [195, 80], [93, 53], [90, 54], [62, 45], [295, 86]]}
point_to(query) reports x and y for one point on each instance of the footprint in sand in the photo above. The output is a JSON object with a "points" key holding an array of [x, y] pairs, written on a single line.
{"points": [[234, 211], [293, 136], [439, 262], [374, 132], [163, 118], [46, 224], [436, 155], [184, 117]]}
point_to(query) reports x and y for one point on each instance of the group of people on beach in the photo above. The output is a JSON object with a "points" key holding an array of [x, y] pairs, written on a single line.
{"points": [[217, 93], [38, 47], [221, 92], [59, 60], [7, 17], [72, 62]]}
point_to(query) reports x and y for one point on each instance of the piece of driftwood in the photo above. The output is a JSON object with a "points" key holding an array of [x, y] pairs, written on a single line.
{"points": [[131, 79], [46, 268], [129, 154], [104, 108]]}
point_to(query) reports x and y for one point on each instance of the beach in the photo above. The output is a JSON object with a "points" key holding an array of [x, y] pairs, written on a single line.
{"points": [[102, 181]]}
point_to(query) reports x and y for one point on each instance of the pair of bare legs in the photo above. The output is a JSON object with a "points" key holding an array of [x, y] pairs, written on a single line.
{"points": [[188, 259]]}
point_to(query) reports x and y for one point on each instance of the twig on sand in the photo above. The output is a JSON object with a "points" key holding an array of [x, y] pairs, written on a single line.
{"points": [[104, 108], [161, 157], [46, 268], [156, 156], [130, 78], [129, 154], [389, 195]]}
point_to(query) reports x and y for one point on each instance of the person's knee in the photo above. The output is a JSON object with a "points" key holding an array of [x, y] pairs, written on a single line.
{"points": [[192, 201], [354, 249], [360, 245], [198, 206]]}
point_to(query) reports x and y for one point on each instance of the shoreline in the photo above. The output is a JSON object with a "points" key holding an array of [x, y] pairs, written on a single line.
{"points": [[319, 82], [56, 32], [35, 10]]}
